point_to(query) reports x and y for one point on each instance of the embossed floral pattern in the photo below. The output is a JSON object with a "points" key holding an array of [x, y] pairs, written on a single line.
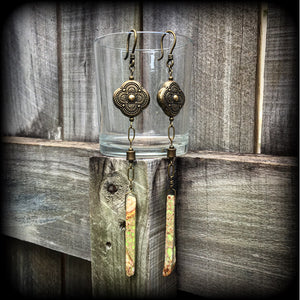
{"points": [[171, 98], [131, 98]]}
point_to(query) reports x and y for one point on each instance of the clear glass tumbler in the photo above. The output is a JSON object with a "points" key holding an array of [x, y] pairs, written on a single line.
{"points": [[151, 126]]}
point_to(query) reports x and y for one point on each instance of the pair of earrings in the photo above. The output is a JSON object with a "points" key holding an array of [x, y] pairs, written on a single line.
{"points": [[131, 98]]}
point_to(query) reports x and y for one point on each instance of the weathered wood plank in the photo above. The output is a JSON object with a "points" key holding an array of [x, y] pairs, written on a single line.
{"points": [[236, 216], [224, 59], [46, 192], [108, 235], [29, 73], [31, 271], [280, 109], [237, 225], [80, 25]]}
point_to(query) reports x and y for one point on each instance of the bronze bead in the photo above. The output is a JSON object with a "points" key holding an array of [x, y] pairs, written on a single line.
{"points": [[130, 155], [171, 153]]}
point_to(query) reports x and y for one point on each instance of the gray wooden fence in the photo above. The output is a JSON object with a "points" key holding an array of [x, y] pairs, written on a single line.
{"points": [[237, 210]]}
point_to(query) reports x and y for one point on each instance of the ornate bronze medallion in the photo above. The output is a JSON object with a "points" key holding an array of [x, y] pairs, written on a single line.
{"points": [[131, 98], [171, 98]]}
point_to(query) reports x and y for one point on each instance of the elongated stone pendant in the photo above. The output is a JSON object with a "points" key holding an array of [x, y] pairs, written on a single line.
{"points": [[130, 233], [170, 251]]}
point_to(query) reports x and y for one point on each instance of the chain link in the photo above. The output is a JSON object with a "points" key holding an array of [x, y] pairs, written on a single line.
{"points": [[170, 64], [171, 173], [130, 170], [171, 133], [130, 175], [131, 134], [171, 169], [132, 65]]}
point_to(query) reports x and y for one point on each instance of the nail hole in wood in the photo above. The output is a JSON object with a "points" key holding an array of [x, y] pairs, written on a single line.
{"points": [[108, 246], [122, 225], [111, 188]]}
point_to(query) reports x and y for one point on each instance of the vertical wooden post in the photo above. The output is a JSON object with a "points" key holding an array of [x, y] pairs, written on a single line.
{"points": [[260, 70], [108, 186]]}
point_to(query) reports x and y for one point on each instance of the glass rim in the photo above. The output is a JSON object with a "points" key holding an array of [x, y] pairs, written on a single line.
{"points": [[187, 40]]}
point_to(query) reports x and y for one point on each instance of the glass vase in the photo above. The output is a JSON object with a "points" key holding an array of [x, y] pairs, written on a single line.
{"points": [[151, 126]]}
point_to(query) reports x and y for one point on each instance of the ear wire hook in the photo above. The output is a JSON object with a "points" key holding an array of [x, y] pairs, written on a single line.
{"points": [[161, 43], [134, 45]]}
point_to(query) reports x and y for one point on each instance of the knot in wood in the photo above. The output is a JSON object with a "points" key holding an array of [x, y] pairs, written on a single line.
{"points": [[111, 188]]}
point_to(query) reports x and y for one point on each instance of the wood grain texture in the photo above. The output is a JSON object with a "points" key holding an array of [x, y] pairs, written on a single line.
{"points": [[108, 232], [31, 271], [46, 192], [29, 73], [224, 59], [77, 277], [80, 25], [280, 110], [236, 226]]}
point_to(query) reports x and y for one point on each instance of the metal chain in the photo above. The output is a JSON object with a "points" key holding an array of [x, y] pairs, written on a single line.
{"points": [[131, 135], [171, 172], [171, 167], [130, 170], [130, 175], [131, 65], [170, 64], [171, 132]]}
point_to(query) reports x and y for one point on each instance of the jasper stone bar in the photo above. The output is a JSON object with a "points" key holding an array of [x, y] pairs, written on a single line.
{"points": [[170, 250], [130, 233]]}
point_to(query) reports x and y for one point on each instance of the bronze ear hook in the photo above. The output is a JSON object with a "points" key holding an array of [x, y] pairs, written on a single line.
{"points": [[170, 62], [134, 45], [161, 43]]}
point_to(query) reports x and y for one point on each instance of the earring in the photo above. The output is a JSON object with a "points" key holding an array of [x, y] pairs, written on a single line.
{"points": [[131, 98], [171, 99]]}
